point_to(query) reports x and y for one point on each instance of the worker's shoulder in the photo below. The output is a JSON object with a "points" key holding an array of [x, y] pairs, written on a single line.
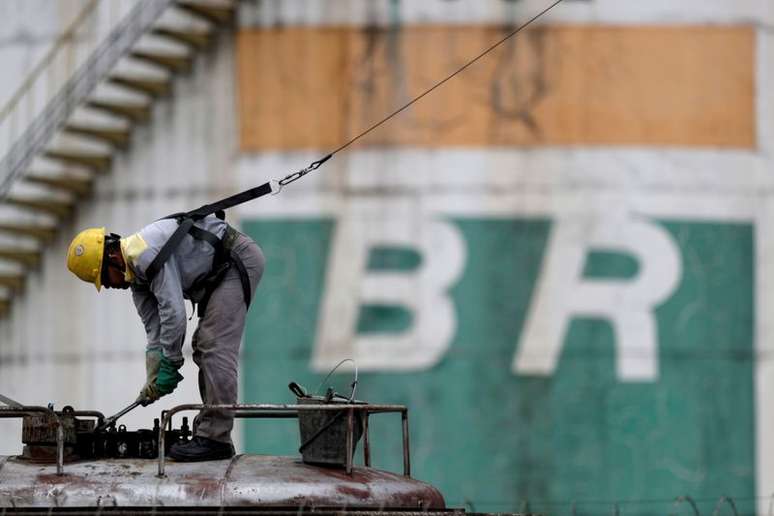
{"points": [[142, 247], [213, 224], [158, 232]]}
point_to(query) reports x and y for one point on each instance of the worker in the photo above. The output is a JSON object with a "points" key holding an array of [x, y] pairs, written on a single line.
{"points": [[207, 262]]}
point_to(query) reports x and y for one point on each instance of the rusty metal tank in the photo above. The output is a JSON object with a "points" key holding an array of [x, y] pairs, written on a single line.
{"points": [[263, 482], [245, 480]]}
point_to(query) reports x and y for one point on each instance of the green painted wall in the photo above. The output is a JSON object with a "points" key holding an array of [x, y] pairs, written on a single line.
{"points": [[489, 437]]}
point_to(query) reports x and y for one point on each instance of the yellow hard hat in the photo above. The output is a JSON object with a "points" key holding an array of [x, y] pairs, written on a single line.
{"points": [[84, 257]]}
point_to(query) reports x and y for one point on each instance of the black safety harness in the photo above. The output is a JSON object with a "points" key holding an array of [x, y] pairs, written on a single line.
{"points": [[224, 257]]}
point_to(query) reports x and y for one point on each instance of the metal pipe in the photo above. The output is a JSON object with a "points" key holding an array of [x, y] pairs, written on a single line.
{"points": [[366, 442], [406, 458], [289, 407], [9, 401], [350, 436], [267, 414], [165, 417], [59, 449]]}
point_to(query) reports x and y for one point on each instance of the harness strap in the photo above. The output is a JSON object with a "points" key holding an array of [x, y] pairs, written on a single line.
{"points": [[233, 261], [228, 202], [168, 248], [186, 227], [210, 238], [243, 277], [186, 221], [218, 275], [222, 260], [211, 283]]}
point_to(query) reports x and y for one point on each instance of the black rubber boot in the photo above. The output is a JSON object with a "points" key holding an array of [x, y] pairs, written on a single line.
{"points": [[201, 449]]}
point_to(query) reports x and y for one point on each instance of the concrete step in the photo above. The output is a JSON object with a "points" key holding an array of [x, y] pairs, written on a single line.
{"points": [[195, 39], [149, 86], [115, 137], [25, 257], [57, 208], [175, 63], [90, 160], [38, 232], [71, 183], [217, 14], [134, 112], [15, 282]]}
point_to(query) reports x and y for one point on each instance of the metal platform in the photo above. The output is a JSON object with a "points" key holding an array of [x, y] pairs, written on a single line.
{"points": [[269, 483]]}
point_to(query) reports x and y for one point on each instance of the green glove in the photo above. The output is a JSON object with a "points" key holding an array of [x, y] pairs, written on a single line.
{"points": [[168, 377], [149, 393]]}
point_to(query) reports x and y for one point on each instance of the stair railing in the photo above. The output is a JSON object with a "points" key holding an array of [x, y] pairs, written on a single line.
{"points": [[26, 127]]}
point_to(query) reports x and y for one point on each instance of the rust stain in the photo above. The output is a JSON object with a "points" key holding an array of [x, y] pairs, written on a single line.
{"points": [[349, 490], [49, 479], [202, 488]]}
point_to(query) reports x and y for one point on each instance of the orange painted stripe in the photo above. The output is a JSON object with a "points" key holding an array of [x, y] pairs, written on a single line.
{"points": [[312, 87]]}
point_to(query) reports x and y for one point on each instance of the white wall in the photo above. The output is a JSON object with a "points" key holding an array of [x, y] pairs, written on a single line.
{"points": [[64, 342], [28, 28], [383, 12]]}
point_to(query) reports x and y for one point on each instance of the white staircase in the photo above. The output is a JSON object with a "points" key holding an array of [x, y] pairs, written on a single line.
{"points": [[78, 108]]}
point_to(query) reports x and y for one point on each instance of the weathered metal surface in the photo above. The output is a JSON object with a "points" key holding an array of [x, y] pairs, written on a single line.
{"points": [[246, 480], [42, 428]]}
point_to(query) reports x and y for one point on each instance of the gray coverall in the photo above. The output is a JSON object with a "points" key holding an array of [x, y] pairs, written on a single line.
{"points": [[217, 338]]}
